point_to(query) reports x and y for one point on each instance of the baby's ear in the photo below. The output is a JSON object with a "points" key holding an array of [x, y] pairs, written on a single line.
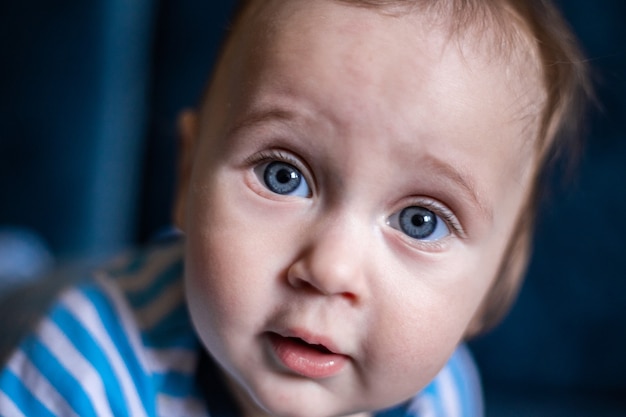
{"points": [[187, 136]]}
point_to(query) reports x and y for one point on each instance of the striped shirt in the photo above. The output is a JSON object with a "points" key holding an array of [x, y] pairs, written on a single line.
{"points": [[121, 343]]}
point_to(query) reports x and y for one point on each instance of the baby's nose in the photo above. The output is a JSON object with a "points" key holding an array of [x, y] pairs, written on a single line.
{"points": [[332, 262]]}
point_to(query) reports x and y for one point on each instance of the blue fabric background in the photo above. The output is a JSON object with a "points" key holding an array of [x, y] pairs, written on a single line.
{"points": [[89, 93]]}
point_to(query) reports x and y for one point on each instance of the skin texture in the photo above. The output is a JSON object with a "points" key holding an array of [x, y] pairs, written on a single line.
{"points": [[378, 113]]}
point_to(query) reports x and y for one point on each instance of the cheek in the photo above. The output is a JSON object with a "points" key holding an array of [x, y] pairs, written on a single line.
{"points": [[231, 267], [214, 266], [420, 324], [406, 352]]}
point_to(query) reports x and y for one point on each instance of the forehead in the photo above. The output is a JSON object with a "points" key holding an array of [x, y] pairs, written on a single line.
{"points": [[384, 50], [497, 28]]}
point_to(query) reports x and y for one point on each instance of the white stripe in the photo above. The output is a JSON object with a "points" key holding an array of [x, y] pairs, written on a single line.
{"points": [[185, 407], [423, 406], [156, 263], [471, 379], [75, 363], [449, 395], [170, 298], [38, 385], [85, 313], [8, 407], [172, 360]]}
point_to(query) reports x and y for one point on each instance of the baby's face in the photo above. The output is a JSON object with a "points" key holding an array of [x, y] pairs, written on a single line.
{"points": [[354, 181]]}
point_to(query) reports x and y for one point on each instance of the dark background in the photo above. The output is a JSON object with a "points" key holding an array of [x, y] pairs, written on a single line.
{"points": [[89, 93]]}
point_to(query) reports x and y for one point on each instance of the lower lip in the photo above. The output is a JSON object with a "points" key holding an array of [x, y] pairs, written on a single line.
{"points": [[306, 360]]}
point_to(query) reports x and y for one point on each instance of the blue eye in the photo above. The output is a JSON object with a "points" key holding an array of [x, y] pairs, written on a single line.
{"points": [[284, 179], [419, 223]]}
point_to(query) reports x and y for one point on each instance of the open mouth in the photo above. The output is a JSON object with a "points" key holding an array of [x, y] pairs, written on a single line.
{"points": [[320, 348], [306, 359]]}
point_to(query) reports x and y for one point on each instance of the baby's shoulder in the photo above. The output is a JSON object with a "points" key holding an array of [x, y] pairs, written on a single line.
{"points": [[111, 342], [137, 297]]}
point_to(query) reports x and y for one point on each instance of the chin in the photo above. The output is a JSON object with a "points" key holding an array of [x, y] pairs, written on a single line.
{"points": [[297, 399]]}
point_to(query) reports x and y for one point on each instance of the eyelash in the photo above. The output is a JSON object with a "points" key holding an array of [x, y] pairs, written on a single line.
{"points": [[442, 211], [276, 155]]}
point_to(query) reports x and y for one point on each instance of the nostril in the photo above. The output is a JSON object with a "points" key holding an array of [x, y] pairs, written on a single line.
{"points": [[314, 276], [349, 296], [304, 285], [297, 282], [307, 287]]}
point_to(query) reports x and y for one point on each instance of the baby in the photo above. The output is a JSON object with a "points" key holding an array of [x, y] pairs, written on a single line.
{"points": [[357, 193]]}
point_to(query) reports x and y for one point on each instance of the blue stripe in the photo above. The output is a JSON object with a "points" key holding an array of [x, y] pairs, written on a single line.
{"points": [[111, 320], [162, 282], [59, 377], [21, 396], [92, 352]]}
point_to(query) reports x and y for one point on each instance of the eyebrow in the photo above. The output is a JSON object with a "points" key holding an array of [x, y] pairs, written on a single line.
{"points": [[261, 116], [462, 179]]}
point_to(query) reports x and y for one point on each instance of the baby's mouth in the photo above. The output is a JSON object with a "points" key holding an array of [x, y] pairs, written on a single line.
{"points": [[320, 348], [310, 360]]}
